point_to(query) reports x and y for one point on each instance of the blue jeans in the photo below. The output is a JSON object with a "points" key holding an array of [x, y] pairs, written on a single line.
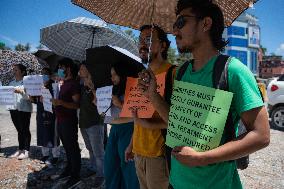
{"points": [[118, 173], [94, 141]]}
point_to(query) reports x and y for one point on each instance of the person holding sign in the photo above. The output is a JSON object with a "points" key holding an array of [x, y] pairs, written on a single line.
{"points": [[198, 29], [21, 113], [66, 114], [91, 128], [148, 142], [46, 131], [118, 173]]}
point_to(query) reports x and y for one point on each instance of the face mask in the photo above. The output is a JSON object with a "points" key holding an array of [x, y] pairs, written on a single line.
{"points": [[61, 73], [45, 78]]}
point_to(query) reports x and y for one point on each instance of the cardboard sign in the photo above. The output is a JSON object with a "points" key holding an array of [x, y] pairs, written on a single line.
{"points": [[33, 84], [47, 104], [197, 116], [7, 95], [135, 100], [104, 96]]}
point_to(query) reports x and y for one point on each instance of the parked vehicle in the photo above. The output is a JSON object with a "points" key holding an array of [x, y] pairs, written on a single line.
{"points": [[275, 93]]}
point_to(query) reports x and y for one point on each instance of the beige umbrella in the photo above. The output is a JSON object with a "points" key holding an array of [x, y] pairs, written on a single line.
{"points": [[135, 13]]}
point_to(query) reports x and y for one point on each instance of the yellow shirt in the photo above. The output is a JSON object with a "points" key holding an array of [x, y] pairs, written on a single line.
{"points": [[262, 90], [150, 142]]}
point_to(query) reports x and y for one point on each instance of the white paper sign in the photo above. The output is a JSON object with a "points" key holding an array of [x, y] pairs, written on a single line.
{"points": [[46, 100], [33, 84], [104, 95], [7, 95]]}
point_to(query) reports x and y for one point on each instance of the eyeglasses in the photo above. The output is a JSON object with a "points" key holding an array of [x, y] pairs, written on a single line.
{"points": [[147, 40], [180, 22]]}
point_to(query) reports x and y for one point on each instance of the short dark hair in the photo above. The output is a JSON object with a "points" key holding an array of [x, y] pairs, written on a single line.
{"points": [[162, 35], [68, 63], [205, 8], [22, 68], [47, 70]]}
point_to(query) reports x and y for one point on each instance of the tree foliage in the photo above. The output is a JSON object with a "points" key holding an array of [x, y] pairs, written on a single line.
{"points": [[177, 59], [131, 34], [3, 46], [21, 47], [264, 50], [172, 57]]}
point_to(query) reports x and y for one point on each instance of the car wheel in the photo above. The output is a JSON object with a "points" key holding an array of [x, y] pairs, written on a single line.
{"points": [[277, 117]]}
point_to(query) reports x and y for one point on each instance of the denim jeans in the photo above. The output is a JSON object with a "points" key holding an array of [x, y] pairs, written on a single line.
{"points": [[55, 151], [94, 141]]}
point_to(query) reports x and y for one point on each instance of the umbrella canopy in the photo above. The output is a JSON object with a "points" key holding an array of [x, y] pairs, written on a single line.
{"points": [[49, 57], [100, 60], [9, 58], [72, 38], [135, 13]]}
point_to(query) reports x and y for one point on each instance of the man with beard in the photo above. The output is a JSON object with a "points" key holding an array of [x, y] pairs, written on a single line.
{"points": [[148, 143], [66, 114], [198, 29]]}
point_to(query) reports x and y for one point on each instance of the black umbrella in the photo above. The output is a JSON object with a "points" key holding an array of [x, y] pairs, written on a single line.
{"points": [[99, 61], [49, 57]]}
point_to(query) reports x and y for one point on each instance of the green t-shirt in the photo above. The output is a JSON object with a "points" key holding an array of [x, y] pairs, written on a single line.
{"points": [[222, 175]]}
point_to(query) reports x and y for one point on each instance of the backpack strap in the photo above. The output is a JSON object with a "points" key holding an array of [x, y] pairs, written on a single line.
{"points": [[182, 70], [220, 73], [169, 84], [220, 81], [167, 96]]}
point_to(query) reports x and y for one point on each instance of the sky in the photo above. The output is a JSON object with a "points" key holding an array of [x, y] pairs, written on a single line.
{"points": [[21, 20]]}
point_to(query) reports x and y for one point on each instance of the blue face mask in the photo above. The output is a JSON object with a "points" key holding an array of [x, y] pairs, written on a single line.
{"points": [[60, 73], [45, 78]]}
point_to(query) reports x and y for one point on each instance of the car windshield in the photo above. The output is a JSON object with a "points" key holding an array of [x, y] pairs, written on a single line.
{"points": [[281, 78]]}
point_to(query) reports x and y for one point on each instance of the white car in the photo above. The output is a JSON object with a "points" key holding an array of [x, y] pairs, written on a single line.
{"points": [[275, 93]]}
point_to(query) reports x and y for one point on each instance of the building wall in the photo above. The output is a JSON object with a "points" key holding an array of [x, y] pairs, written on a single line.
{"points": [[240, 44], [271, 66]]}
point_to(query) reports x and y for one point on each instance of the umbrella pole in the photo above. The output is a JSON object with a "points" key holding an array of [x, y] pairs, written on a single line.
{"points": [[152, 23]]}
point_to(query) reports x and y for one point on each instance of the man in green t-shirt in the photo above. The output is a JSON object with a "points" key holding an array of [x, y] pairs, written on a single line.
{"points": [[198, 30]]}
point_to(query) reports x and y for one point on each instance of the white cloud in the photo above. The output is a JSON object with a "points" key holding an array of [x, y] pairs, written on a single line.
{"points": [[280, 50], [9, 40]]}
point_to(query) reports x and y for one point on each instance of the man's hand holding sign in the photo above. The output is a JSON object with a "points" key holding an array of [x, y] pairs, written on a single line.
{"points": [[137, 102], [197, 119]]}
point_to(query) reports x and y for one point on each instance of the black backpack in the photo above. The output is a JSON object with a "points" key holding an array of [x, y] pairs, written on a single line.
{"points": [[220, 81], [167, 96]]}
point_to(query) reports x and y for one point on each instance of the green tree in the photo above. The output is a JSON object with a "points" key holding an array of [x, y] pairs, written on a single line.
{"points": [[264, 50], [183, 57], [21, 47], [172, 57], [27, 47], [4, 47]]}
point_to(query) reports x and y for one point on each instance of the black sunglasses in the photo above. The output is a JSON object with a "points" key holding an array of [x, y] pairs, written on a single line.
{"points": [[180, 22]]}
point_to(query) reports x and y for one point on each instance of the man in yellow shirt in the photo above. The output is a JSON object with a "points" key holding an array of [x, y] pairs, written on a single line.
{"points": [[148, 143]]}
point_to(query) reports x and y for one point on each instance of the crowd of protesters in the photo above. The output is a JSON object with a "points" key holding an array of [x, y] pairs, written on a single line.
{"points": [[136, 155]]}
